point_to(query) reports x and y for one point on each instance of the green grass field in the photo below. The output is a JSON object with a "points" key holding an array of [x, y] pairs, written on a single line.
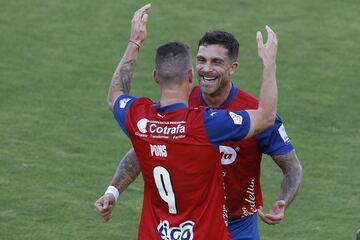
{"points": [[59, 145]]}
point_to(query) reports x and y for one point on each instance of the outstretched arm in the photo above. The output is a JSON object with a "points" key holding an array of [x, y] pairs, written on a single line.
{"points": [[292, 178], [264, 117], [121, 81]]}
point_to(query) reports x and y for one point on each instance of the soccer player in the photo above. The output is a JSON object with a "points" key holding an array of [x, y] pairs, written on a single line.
{"points": [[241, 160], [183, 191]]}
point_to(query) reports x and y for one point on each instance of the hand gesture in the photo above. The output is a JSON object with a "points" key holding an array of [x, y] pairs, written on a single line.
{"points": [[275, 215], [105, 205], [267, 51], [138, 25]]}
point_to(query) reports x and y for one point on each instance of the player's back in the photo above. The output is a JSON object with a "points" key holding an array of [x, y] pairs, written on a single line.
{"points": [[183, 186]]}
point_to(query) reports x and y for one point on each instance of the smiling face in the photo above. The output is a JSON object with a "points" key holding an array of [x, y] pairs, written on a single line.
{"points": [[214, 68]]}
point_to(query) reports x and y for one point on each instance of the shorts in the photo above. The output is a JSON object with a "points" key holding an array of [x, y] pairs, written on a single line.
{"points": [[245, 228]]}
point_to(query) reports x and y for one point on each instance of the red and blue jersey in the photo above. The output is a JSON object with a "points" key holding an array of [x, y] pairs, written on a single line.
{"points": [[241, 160], [178, 152]]}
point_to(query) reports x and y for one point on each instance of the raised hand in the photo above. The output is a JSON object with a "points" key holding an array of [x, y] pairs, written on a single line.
{"points": [[267, 51], [138, 25]]}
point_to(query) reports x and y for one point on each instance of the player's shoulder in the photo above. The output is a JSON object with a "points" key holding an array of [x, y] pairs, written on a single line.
{"points": [[133, 104], [246, 99], [194, 98], [196, 115], [144, 101], [195, 91], [197, 109]]}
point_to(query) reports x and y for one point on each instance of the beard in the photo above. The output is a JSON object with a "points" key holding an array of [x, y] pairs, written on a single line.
{"points": [[213, 87]]}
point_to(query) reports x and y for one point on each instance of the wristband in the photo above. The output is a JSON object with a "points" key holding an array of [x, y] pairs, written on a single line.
{"points": [[113, 190], [135, 43]]}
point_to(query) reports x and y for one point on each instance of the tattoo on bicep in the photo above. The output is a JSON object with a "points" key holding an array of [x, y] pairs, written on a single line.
{"points": [[292, 171], [123, 76], [127, 171]]}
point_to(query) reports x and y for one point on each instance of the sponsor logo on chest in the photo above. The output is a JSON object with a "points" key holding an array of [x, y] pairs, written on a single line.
{"points": [[183, 232], [161, 129], [228, 154]]}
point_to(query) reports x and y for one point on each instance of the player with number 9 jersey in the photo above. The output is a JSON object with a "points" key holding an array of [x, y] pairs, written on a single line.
{"points": [[178, 152]]}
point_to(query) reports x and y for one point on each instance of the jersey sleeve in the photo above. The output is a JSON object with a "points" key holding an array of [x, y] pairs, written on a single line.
{"points": [[274, 141], [223, 125], [121, 107]]}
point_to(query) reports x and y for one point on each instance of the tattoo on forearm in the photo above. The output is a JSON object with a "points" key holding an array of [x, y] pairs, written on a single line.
{"points": [[126, 172], [123, 75], [292, 171]]}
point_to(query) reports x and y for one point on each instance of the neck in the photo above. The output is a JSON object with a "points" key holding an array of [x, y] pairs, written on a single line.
{"points": [[217, 98], [172, 96]]}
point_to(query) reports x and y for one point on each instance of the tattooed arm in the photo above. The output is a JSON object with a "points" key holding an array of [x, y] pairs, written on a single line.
{"points": [[125, 174], [292, 172], [127, 171], [121, 81], [120, 84], [292, 178]]}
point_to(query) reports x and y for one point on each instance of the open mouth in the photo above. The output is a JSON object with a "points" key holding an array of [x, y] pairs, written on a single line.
{"points": [[207, 79], [208, 82]]}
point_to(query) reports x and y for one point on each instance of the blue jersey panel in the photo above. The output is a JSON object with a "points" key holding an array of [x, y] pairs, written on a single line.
{"points": [[223, 125], [121, 107], [274, 141]]}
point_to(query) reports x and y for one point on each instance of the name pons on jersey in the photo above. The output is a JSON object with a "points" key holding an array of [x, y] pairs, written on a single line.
{"points": [[158, 150]]}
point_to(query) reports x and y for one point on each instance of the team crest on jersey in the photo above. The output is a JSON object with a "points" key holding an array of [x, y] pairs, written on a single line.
{"points": [[237, 119], [183, 232], [161, 129], [123, 102]]}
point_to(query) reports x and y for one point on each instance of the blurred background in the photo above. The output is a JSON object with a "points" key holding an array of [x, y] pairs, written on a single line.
{"points": [[60, 146]]}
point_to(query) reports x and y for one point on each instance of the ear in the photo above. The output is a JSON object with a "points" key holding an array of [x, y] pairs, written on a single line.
{"points": [[233, 67], [191, 76], [154, 77]]}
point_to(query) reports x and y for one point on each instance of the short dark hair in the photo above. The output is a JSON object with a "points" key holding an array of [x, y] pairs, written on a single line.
{"points": [[225, 39], [172, 63]]}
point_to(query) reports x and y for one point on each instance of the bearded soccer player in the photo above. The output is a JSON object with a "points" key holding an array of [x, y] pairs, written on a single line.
{"points": [[241, 160], [165, 189]]}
